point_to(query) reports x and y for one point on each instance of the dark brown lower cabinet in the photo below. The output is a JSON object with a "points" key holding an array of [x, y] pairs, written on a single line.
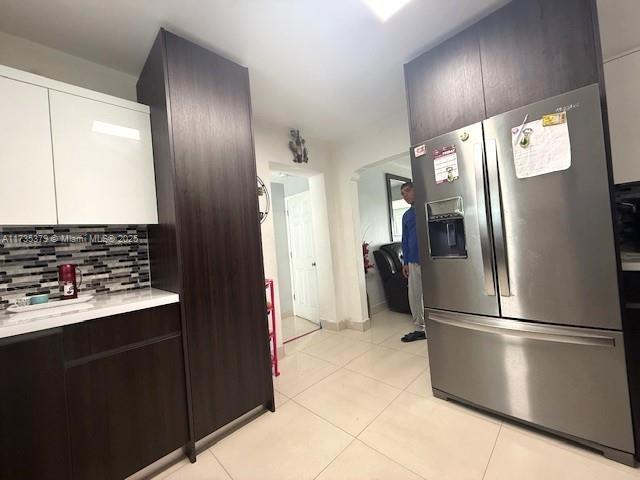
{"points": [[126, 410], [33, 419]]}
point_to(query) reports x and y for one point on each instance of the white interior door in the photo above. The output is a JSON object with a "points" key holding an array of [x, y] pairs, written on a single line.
{"points": [[304, 276]]}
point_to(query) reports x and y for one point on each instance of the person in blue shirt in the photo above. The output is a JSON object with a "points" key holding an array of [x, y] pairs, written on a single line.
{"points": [[411, 264]]}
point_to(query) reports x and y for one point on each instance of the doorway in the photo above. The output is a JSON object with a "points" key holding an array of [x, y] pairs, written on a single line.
{"points": [[304, 276], [380, 210], [296, 254]]}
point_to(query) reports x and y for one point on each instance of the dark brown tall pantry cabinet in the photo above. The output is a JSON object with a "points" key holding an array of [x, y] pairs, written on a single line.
{"points": [[207, 244]]}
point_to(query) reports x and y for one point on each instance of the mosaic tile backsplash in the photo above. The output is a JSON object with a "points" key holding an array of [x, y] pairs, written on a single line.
{"points": [[112, 258]]}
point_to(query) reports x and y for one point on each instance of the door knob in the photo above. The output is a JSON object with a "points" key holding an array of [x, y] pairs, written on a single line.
{"points": [[313, 264]]}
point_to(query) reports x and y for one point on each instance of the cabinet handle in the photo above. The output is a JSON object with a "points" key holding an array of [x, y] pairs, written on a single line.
{"points": [[483, 222], [497, 218], [514, 328]]}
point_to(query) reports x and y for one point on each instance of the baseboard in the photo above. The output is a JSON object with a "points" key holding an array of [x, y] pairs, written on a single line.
{"points": [[213, 438], [161, 465], [178, 456], [333, 326], [359, 326], [380, 307]]}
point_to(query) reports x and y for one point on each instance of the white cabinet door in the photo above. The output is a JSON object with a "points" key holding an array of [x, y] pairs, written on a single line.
{"points": [[103, 162], [622, 77], [27, 194]]}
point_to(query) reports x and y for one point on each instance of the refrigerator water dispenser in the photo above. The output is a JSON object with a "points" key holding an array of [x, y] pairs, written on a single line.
{"points": [[445, 221]]}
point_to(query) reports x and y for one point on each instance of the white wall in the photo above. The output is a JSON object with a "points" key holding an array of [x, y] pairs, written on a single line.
{"points": [[33, 57], [272, 154], [622, 76], [374, 217], [382, 140], [278, 208], [325, 251], [294, 185]]}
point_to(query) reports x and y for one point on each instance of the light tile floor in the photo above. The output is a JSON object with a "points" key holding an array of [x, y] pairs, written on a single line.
{"points": [[293, 327], [358, 406]]}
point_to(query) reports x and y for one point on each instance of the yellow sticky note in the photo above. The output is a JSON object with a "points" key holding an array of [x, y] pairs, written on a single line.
{"points": [[554, 119]]}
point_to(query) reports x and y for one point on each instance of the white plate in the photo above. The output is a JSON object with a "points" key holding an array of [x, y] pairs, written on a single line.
{"points": [[53, 304]]}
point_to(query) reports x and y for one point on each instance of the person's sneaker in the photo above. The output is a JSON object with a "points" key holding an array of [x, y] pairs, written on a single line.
{"points": [[413, 336]]}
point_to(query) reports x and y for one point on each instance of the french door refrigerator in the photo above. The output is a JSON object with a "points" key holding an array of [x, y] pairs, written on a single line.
{"points": [[520, 272]]}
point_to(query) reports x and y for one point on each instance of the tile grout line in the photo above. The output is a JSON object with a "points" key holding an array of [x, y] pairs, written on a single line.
{"points": [[375, 449], [314, 383], [357, 373], [377, 379], [492, 450], [353, 439], [389, 458], [371, 423], [414, 380], [318, 382], [356, 357], [382, 381], [220, 462], [400, 392], [337, 365], [322, 418]]}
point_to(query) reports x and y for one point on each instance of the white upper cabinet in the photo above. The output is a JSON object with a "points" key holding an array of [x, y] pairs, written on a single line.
{"points": [[103, 162], [622, 77], [27, 193]]}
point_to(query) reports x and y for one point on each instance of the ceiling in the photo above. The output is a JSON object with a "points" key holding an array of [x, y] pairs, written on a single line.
{"points": [[329, 67]]}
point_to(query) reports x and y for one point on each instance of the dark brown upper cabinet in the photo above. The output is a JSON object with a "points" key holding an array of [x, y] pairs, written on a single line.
{"points": [[444, 87], [527, 51], [535, 49]]}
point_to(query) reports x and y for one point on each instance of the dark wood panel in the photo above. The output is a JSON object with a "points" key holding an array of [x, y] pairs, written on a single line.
{"points": [[632, 348], [444, 87], [222, 278], [164, 239], [152, 89], [102, 334], [535, 49], [126, 410], [76, 341], [34, 442]]}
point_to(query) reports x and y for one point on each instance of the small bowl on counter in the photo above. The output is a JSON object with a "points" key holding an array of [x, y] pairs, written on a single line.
{"points": [[39, 299]]}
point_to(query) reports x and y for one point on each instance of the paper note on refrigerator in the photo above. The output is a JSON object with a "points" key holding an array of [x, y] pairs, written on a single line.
{"points": [[539, 149], [445, 164]]}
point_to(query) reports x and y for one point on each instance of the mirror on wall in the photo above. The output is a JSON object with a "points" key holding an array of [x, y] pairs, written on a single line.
{"points": [[396, 205]]}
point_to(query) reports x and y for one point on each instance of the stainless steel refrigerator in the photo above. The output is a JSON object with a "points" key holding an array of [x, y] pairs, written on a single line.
{"points": [[519, 271]]}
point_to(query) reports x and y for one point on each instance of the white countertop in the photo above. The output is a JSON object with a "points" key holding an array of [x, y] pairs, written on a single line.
{"points": [[103, 305], [631, 266], [630, 261]]}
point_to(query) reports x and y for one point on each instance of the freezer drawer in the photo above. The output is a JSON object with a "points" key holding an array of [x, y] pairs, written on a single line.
{"points": [[570, 380]]}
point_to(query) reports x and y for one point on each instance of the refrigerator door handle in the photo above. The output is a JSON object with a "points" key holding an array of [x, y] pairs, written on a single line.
{"points": [[514, 328], [496, 218], [483, 221]]}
